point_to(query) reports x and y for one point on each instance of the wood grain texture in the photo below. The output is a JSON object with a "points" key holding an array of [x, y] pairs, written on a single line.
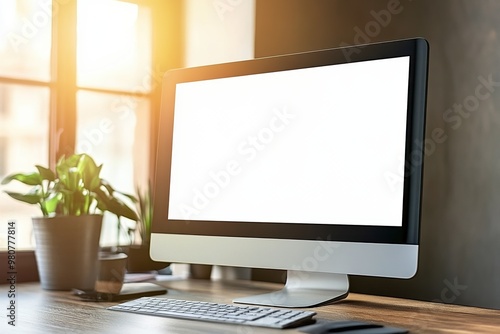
{"points": [[41, 311]]}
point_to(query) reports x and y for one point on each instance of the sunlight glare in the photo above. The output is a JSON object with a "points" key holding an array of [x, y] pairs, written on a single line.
{"points": [[107, 35]]}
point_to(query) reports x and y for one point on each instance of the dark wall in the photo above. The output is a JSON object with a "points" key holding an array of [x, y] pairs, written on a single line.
{"points": [[460, 231]]}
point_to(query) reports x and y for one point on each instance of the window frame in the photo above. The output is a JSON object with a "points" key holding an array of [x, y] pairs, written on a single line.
{"points": [[167, 22]]}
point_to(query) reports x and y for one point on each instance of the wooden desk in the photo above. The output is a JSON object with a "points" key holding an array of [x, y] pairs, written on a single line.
{"points": [[40, 311]]}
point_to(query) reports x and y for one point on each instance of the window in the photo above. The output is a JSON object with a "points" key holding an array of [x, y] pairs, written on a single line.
{"points": [[82, 76], [113, 94], [25, 85]]}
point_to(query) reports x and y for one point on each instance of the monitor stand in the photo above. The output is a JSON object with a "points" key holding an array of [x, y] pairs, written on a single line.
{"points": [[303, 289]]}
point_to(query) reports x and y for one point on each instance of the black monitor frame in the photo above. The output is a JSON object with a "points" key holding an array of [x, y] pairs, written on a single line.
{"points": [[408, 233]]}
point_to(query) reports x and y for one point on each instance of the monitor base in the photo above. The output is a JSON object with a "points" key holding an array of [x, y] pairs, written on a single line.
{"points": [[303, 289]]}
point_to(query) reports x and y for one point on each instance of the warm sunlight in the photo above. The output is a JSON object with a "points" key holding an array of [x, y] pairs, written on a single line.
{"points": [[110, 51], [113, 53]]}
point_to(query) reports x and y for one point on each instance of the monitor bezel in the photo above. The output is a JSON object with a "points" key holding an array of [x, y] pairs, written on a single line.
{"points": [[408, 233]]}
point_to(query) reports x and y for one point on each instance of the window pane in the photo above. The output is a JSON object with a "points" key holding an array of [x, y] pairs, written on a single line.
{"points": [[114, 130], [113, 45], [24, 124], [25, 39]]}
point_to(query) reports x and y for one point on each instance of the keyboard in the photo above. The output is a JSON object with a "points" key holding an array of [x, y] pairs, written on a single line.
{"points": [[214, 312]]}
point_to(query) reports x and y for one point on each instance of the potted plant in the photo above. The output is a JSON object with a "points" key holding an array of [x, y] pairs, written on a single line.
{"points": [[72, 199], [139, 259]]}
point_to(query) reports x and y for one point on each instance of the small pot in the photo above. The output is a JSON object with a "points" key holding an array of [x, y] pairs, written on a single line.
{"points": [[140, 261], [200, 271]]}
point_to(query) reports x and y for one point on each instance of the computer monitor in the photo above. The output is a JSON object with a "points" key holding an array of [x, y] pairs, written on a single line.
{"points": [[308, 162]]}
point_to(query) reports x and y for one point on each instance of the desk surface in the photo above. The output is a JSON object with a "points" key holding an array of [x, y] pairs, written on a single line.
{"points": [[39, 311]]}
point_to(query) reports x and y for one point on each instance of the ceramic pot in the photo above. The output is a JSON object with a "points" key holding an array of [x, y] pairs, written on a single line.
{"points": [[67, 249]]}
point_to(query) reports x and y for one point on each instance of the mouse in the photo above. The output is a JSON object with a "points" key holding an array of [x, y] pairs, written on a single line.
{"points": [[350, 327]]}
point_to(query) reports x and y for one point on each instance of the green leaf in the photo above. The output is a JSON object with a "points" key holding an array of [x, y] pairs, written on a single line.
{"points": [[74, 188], [73, 161], [32, 179], [64, 166], [121, 209], [127, 212], [74, 179], [51, 203], [114, 205], [108, 187], [46, 173], [62, 170], [129, 196], [88, 165], [102, 206], [26, 198], [95, 181], [102, 200]]}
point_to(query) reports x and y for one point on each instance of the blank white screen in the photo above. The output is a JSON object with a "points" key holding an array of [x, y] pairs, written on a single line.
{"points": [[301, 146]]}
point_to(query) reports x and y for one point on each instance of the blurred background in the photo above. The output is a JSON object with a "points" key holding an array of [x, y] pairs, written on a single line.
{"points": [[85, 76]]}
